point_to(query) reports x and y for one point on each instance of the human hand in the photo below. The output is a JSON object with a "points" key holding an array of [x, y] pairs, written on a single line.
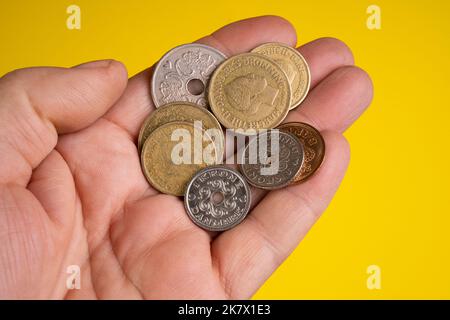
{"points": [[72, 191]]}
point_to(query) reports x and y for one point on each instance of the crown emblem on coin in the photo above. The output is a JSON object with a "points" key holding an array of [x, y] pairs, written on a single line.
{"points": [[193, 62]]}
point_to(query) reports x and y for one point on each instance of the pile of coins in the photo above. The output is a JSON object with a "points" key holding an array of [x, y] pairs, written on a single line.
{"points": [[198, 91]]}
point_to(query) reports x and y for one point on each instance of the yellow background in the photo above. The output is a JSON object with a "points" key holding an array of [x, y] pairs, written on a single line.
{"points": [[393, 209]]}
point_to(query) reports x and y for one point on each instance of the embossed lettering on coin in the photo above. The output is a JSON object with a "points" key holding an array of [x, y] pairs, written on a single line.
{"points": [[293, 64], [313, 144], [217, 198], [249, 91], [183, 73], [272, 159], [164, 173], [182, 111]]}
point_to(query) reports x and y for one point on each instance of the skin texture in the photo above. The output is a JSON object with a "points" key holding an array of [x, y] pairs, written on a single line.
{"points": [[72, 191]]}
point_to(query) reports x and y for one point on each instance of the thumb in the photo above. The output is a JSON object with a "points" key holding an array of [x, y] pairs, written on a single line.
{"points": [[38, 103]]}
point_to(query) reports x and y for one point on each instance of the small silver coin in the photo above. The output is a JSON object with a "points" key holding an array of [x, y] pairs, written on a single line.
{"points": [[182, 74], [217, 198], [272, 159]]}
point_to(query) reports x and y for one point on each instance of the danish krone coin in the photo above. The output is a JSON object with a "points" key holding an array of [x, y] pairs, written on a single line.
{"points": [[249, 91], [313, 144], [294, 66], [272, 159], [182, 74], [217, 198], [171, 155], [183, 111]]}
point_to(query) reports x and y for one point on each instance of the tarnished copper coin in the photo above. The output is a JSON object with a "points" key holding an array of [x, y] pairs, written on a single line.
{"points": [[170, 156], [183, 111], [294, 66], [313, 144], [217, 198], [249, 91], [272, 159]]}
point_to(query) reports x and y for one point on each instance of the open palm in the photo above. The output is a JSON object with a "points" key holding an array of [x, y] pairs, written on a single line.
{"points": [[72, 191]]}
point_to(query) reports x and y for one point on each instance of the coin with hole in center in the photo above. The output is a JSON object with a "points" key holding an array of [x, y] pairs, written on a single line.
{"points": [[313, 144], [272, 159], [217, 198], [183, 73]]}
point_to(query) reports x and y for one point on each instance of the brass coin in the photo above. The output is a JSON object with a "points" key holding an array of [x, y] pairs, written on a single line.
{"points": [[183, 111], [165, 165], [313, 145], [249, 91], [294, 66], [269, 165]]}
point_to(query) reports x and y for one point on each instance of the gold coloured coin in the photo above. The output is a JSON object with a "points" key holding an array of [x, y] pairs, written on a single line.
{"points": [[249, 91], [313, 146], [171, 156], [294, 66], [183, 111]]}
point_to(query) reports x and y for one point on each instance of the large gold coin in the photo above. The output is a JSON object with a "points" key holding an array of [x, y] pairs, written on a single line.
{"points": [[313, 147], [294, 66], [249, 91], [172, 154], [183, 111]]}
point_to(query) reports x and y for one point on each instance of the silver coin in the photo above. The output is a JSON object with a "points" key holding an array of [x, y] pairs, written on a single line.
{"points": [[272, 159], [182, 74], [217, 198]]}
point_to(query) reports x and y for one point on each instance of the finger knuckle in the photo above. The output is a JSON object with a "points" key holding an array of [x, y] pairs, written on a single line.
{"points": [[340, 48]]}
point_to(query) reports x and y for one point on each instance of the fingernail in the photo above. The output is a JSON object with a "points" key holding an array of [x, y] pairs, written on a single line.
{"points": [[95, 64]]}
